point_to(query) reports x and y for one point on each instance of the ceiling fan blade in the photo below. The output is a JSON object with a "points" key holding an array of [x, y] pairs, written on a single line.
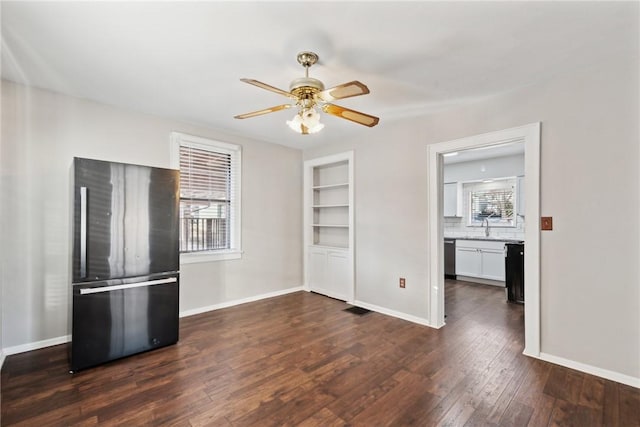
{"points": [[261, 112], [345, 90], [268, 87], [354, 116]]}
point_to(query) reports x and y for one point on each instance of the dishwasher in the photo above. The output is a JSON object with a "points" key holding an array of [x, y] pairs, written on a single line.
{"points": [[450, 258], [514, 272]]}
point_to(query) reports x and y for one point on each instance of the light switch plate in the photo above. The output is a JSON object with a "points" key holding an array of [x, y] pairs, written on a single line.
{"points": [[546, 223]]}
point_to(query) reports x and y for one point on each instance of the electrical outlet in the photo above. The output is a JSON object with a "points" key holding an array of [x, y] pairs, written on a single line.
{"points": [[402, 282]]}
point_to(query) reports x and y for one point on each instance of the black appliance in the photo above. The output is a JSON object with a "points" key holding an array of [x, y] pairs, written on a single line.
{"points": [[514, 272], [450, 258], [125, 260]]}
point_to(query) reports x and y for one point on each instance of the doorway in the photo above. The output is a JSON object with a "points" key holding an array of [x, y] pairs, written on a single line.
{"points": [[530, 136]]}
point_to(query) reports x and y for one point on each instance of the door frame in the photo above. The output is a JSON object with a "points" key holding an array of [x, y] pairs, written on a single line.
{"points": [[530, 135]]}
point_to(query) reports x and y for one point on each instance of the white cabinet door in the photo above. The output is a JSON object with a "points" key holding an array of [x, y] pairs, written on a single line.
{"points": [[452, 199], [479, 258], [339, 280], [468, 262], [329, 272], [317, 270], [492, 264]]}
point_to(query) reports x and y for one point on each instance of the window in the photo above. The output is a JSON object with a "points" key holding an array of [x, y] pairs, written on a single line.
{"points": [[209, 197], [492, 201]]}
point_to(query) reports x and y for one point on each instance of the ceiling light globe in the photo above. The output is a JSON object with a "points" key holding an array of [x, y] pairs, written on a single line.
{"points": [[295, 123]]}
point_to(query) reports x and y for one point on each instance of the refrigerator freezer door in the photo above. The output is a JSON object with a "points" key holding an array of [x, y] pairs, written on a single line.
{"points": [[119, 318], [125, 220]]}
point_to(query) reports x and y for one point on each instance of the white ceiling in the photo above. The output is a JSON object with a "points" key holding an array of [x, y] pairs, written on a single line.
{"points": [[184, 59]]}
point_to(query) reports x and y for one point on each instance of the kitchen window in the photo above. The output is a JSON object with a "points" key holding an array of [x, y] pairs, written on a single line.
{"points": [[209, 197], [492, 201]]}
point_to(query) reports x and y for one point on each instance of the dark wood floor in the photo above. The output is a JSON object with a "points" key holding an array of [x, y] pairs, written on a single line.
{"points": [[300, 359]]}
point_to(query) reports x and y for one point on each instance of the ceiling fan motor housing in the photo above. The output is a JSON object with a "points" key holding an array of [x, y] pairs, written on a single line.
{"points": [[306, 82], [306, 87]]}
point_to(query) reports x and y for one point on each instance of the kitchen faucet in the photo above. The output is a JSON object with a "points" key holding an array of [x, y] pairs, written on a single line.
{"points": [[486, 230]]}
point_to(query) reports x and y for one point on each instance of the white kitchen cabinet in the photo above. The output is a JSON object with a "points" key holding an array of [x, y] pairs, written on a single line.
{"points": [[468, 262], [481, 259], [328, 225], [492, 262], [452, 199]]}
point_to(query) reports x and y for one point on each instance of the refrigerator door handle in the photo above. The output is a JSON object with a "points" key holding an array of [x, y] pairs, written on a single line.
{"points": [[83, 231], [86, 291]]}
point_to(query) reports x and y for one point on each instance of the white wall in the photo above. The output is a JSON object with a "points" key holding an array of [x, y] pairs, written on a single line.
{"points": [[495, 167], [590, 283], [42, 131]]}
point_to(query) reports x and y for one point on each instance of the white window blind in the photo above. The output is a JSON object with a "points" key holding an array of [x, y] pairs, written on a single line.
{"points": [[209, 195], [494, 204]]}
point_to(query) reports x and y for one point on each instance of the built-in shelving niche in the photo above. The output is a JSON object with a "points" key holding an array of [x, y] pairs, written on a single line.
{"points": [[329, 225]]}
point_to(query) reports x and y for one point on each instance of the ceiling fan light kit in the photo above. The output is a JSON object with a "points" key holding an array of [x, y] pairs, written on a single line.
{"points": [[308, 94]]}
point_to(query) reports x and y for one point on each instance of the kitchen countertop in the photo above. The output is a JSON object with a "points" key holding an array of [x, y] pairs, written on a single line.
{"points": [[487, 239]]}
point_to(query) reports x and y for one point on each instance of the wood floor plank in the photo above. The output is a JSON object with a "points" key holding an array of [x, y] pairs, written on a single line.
{"points": [[365, 392], [393, 404], [556, 385], [592, 393], [299, 359], [516, 414], [629, 405], [542, 411], [323, 418]]}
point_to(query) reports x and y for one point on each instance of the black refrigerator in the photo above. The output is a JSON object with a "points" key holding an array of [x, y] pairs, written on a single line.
{"points": [[125, 260]]}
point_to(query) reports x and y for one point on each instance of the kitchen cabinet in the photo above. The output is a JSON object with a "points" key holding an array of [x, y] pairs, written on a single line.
{"points": [[329, 225], [468, 261], [481, 259], [492, 263], [452, 199]]}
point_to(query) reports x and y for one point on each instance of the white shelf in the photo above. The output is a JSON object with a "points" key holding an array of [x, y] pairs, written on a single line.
{"points": [[331, 206], [330, 225], [324, 187], [329, 246]]}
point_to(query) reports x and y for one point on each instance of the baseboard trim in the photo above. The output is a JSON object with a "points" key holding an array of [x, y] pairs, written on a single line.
{"points": [[593, 370], [481, 281], [232, 303], [393, 313], [36, 345]]}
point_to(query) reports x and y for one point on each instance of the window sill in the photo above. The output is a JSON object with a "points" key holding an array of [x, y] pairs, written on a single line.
{"points": [[192, 258], [491, 225]]}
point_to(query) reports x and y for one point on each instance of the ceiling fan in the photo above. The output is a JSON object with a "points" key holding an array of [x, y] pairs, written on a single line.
{"points": [[308, 93]]}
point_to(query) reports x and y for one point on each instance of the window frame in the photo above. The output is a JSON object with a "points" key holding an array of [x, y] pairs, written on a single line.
{"points": [[494, 222], [178, 139]]}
